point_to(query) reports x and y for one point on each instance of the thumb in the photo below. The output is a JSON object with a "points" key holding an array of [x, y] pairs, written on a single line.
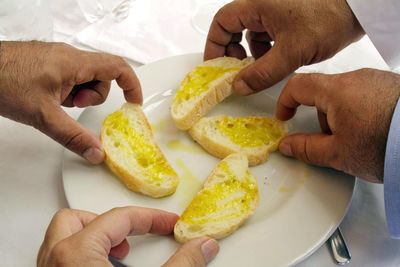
{"points": [[62, 128], [317, 149], [265, 71], [195, 253]]}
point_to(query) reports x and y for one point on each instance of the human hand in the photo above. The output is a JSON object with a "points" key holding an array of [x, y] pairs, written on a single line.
{"points": [[37, 77], [354, 110], [303, 32], [80, 238]]}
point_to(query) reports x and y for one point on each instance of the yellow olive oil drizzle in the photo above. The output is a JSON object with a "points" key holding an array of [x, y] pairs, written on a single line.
{"points": [[197, 81], [135, 144], [249, 132], [231, 194]]}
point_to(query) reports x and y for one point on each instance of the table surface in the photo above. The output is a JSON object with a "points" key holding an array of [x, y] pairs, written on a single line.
{"points": [[32, 191]]}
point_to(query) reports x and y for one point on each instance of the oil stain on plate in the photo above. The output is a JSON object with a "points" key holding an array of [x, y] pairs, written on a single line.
{"points": [[189, 184], [184, 147]]}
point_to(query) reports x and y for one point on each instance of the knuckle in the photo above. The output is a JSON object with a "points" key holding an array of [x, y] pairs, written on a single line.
{"points": [[367, 71], [63, 52], [117, 61], [121, 61], [62, 213], [58, 255], [262, 78], [296, 79], [299, 149], [73, 141], [340, 80], [82, 76], [63, 46], [191, 260], [220, 14], [312, 78], [117, 210], [114, 210], [40, 118]]}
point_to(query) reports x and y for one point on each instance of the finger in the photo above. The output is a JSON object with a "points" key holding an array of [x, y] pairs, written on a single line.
{"points": [[258, 36], [303, 89], [55, 123], [231, 19], [89, 96], [317, 149], [236, 50], [120, 251], [64, 223], [112, 227], [67, 222], [68, 102], [105, 67], [259, 43], [259, 49], [236, 37], [269, 69], [195, 253], [323, 122]]}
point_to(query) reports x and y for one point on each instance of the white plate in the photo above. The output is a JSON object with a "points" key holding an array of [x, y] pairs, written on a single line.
{"points": [[300, 205]]}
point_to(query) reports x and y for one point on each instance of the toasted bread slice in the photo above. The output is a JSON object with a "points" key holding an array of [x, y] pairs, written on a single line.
{"points": [[256, 136], [133, 154], [204, 87], [228, 198]]}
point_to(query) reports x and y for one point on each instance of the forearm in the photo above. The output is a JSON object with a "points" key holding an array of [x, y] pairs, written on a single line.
{"points": [[381, 21]]}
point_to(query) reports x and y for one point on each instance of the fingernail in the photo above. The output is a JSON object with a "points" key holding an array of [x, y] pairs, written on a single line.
{"points": [[94, 155], [209, 249], [285, 149], [242, 88]]}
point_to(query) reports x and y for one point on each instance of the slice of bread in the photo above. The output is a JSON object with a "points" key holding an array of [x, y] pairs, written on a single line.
{"points": [[204, 87], [256, 136], [228, 198], [133, 154]]}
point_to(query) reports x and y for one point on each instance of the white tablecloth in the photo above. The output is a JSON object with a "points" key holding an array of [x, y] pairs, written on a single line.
{"points": [[31, 181]]}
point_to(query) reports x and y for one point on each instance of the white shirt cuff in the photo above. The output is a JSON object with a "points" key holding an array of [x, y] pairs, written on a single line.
{"points": [[380, 20]]}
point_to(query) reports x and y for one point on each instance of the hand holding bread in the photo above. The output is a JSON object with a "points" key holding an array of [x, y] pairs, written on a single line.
{"points": [[302, 33], [37, 78]]}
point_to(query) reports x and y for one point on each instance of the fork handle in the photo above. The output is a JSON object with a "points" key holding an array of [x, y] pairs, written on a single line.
{"points": [[339, 249]]}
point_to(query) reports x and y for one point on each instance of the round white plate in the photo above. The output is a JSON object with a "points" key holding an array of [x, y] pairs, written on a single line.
{"points": [[300, 205]]}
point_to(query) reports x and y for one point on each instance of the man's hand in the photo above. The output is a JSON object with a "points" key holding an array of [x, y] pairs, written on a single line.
{"points": [[303, 32], [354, 110], [36, 78], [80, 238]]}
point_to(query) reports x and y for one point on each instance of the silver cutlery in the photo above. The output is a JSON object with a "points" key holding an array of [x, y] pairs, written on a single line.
{"points": [[338, 247]]}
